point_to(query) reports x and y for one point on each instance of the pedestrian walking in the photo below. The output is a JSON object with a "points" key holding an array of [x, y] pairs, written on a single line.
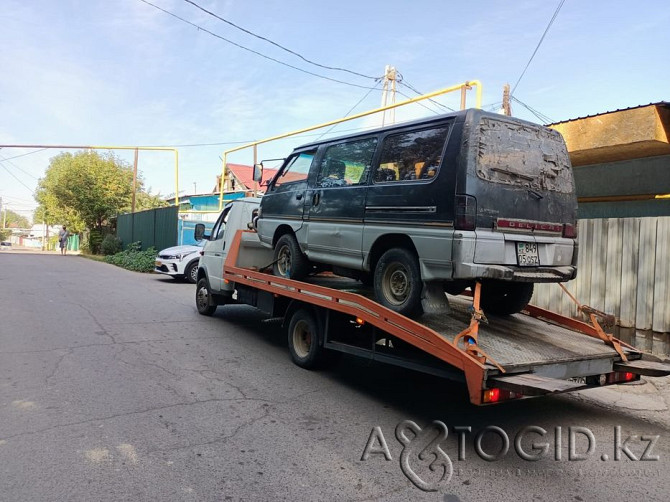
{"points": [[63, 234]]}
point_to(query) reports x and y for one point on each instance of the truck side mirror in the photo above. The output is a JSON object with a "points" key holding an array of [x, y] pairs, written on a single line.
{"points": [[199, 232], [258, 172]]}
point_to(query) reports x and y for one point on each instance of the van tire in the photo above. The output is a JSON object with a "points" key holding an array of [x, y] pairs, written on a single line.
{"points": [[505, 298], [289, 261], [304, 340], [204, 301], [397, 281]]}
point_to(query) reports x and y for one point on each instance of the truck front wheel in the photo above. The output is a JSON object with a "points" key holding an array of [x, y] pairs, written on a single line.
{"points": [[304, 340], [203, 298]]}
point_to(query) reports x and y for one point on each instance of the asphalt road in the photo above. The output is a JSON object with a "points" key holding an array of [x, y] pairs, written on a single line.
{"points": [[112, 387]]}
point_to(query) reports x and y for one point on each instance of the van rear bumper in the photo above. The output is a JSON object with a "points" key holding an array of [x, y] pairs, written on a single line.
{"points": [[464, 266]]}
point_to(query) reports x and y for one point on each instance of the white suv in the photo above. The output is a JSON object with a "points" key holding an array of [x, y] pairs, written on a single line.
{"points": [[181, 262]]}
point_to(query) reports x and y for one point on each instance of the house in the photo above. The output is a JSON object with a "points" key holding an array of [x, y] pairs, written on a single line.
{"points": [[621, 161], [240, 177]]}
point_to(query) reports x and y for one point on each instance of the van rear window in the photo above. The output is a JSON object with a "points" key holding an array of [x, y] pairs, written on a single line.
{"points": [[529, 156]]}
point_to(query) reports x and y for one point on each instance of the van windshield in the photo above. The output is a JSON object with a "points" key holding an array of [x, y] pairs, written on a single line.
{"points": [[523, 155]]}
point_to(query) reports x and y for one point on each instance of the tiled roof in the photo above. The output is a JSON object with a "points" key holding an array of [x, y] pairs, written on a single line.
{"points": [[244, 174]]}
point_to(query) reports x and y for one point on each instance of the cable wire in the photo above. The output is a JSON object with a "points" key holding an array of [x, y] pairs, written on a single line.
{"points": [[551, 21], [347, 114], [14, 176], [3, 159], [278, 45], [544, 118], [404, 82], [24, 154], [251, 50], [419, 103]]}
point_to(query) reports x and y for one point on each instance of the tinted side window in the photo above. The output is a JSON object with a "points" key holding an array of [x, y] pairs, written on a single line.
{"points": [[297, 169], [346, 164], [413, 155]]}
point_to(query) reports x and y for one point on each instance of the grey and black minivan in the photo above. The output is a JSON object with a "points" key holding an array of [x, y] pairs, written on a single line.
{"points": [[450, 199]]}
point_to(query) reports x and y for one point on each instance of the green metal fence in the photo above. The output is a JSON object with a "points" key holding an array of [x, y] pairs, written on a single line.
{"points": [[155, 227]]}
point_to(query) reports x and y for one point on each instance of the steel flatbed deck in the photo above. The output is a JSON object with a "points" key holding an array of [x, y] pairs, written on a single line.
{"points": [[527, 354]]}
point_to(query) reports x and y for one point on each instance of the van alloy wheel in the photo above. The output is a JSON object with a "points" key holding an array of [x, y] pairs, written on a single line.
{"points": [[284, 260]]}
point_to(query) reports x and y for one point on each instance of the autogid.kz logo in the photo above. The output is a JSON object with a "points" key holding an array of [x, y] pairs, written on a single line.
{"points": [[424, 461]]}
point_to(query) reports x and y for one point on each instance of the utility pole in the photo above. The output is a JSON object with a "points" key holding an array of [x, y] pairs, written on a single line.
{"points": [[390, 74], [5, 213], [132, 207], [506, 106]]}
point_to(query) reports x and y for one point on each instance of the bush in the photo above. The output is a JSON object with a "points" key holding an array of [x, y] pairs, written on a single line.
{"points": [[133, 258], [94, 240], [111, 244]]}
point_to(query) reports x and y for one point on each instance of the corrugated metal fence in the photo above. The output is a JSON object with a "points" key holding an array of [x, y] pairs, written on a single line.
{"points": [[155, 227], [623, 269]]}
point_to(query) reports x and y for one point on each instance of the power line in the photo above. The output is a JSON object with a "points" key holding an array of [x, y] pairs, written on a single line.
{"points": [[253, 51], [544, 118], [24, 154], [14, 176], [278, 45], [350, 110], [419, 103], [3, 159], [551, 21], [404, 82]]}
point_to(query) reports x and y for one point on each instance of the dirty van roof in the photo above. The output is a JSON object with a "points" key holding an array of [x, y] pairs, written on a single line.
{"points": [[425, 120]]}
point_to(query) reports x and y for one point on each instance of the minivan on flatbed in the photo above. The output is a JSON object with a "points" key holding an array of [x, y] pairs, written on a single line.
{"points": [[443, 201]]}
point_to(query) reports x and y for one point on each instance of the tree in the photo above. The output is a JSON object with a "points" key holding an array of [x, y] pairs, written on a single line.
{"points": [[147, 200], [84, 190], [12, 219]]}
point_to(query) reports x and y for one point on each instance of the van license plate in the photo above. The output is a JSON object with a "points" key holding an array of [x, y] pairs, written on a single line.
{"points": [[526, 254]]}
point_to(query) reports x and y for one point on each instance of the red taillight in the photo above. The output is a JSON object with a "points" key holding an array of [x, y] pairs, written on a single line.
{"points": [[465, 217], [495, 395], [570, 231], [620, 376], [491, 395]]}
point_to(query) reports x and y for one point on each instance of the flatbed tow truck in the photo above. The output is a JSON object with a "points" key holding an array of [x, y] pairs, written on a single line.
{"points": [[534, 353]]}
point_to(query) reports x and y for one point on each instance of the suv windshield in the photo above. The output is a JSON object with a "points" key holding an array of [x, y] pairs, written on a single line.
{"points": [[524, 155]]}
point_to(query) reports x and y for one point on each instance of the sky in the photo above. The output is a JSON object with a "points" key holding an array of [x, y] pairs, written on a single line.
{"points": [[122, 72]]}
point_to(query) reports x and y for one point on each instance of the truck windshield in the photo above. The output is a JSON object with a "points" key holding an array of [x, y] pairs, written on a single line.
{"points": [[523, 155]]}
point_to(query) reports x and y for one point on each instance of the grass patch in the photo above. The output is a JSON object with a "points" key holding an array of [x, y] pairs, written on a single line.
{"points": [[133, 258]]}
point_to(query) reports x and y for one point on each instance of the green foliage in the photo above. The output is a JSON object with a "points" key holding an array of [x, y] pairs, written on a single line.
{"points": [[4, 234], [13, 219], [111, 244], [94, 241], [146, 200], [133, 258], [86, 189]]}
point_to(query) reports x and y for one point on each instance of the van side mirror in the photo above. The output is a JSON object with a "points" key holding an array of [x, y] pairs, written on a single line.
{"points": [[258, 172], [199, 232]]}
